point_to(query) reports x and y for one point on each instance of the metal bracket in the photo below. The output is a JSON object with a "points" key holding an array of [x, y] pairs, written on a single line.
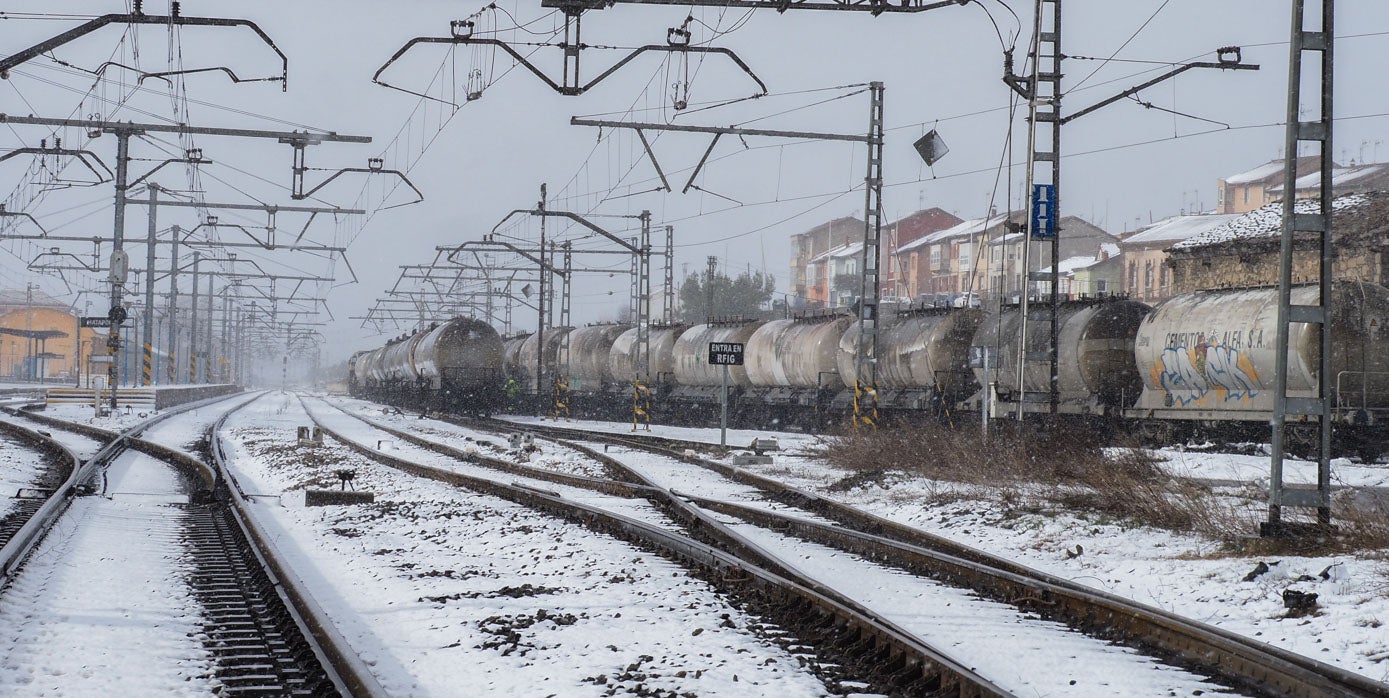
{"points": [[374, 167], [137, 18], [462, 34]]}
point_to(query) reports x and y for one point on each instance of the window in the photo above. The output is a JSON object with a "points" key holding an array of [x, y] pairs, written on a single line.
{"points": [[1246, 195], [966, 255], [935, 256], [1101, 286], [1147, 278], [1133, 277]]}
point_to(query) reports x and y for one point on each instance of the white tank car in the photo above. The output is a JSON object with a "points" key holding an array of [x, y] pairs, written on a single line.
{"points": [[1210, 355], [796, 353], [621, 366], [691, 353], [589, 351]]}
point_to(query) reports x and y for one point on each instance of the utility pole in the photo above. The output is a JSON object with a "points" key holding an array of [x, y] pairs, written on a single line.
{"points": [[147, 338], [866, 358], [668, 292], [713, 263], [123, 131], [193, 323], [1042, 90], [541, 309], [207, 345], [1316, 135], [172, 371]]}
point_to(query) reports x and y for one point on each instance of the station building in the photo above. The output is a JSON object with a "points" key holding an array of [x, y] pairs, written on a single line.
{"points": [[39, 338]]}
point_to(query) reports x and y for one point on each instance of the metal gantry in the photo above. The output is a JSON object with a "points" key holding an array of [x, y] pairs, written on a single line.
{"points": [[1043, 91], [865, 361], [123, 131], [1312, 134]]}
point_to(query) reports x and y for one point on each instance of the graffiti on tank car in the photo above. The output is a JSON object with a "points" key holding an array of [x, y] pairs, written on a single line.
{"points": [[1196, 365]]}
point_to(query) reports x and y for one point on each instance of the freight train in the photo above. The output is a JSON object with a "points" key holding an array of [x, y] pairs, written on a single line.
{"points": [[456, 366], [1198, 364]]}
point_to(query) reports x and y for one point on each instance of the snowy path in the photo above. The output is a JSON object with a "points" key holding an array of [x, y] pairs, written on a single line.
{"points": [[21, 466], [101, 607], [446, 592]]}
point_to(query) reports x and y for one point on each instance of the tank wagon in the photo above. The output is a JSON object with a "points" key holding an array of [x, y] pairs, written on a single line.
{"points": [[923, 358], [1200, 363], [1207, 361], [456, 366], [1096, 374]]}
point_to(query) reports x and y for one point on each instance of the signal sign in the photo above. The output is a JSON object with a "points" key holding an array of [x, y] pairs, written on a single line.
{"points": [[725, 354]]}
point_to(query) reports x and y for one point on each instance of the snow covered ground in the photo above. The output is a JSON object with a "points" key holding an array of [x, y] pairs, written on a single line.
{"points": [[1185, 574], [101, 608], [20, 467], [446, 592]]}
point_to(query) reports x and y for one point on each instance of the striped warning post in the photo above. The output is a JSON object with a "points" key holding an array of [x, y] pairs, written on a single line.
{"points": [[147, 368]]}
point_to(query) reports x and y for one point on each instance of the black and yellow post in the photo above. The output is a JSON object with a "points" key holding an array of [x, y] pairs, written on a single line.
{"points": [[561, 399], [865, 405], [172, 372], [641, 405], [147, 366]]}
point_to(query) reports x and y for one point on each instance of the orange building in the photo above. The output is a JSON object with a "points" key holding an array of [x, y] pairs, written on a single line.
{"points": [[37, 334]]}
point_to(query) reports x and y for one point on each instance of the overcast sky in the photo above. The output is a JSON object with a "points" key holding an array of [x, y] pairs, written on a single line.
{"points": [[1124, 165]]}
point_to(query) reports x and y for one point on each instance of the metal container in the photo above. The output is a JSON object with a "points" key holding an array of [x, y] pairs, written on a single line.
{"points": [[462, 352], [691, 353], [398, 362], [662, 340], [589, 351], [1095, 351], [511, 356], [796, 353], [530, 350], [919, 349], [1212, 354]]}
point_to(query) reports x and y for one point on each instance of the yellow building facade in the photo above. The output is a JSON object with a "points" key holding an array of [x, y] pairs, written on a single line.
{"points": [[55, 357]]}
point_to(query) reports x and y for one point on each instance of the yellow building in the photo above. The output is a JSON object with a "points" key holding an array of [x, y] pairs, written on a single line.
{"points": [[37, 335]]}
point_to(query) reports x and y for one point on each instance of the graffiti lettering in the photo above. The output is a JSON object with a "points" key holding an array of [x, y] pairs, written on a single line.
{"points": [[1192, 374]]}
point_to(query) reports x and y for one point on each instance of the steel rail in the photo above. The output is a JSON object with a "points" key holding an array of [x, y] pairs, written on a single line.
{"points": [[891, 651], [348, 672], [1225, 654], [344, 669], [17, 549]]}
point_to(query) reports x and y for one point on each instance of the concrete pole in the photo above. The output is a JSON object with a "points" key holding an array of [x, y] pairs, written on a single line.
{"points": [[193, 323], [172, 372], [207, 345], [147, 336]]}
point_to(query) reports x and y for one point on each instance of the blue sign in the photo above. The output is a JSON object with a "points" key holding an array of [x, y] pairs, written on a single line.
{"points": [[1043, 211]]}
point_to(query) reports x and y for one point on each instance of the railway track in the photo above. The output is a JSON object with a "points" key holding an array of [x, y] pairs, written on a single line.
{"points": [[852, 644], [1234, 659], [1238, 665], [1242, 661], [262, 634]]}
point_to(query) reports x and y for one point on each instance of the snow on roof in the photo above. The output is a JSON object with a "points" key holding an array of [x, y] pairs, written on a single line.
{"points": [[1110, 249], [1261, 172], [1266, 221], [1178, 228], [1340, 176], [845, 250], [968, 228]]}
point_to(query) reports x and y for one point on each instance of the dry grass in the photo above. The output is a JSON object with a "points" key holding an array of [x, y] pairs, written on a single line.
{"points": [[1039, 469]]}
